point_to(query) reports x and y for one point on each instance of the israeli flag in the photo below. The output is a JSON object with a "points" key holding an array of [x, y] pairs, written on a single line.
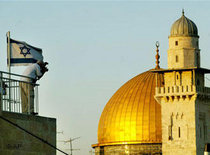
{"points": [[22, 54]]}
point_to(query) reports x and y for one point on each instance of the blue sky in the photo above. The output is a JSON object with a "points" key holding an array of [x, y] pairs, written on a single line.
{"points": [[93, 47]]}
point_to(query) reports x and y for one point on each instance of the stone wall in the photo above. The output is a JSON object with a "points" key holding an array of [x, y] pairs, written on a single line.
{"points": [[202, 123], [178, 127], [14, 141]]}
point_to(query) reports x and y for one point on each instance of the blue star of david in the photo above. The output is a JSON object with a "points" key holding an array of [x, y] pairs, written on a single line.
{"points": [[24, 50]]}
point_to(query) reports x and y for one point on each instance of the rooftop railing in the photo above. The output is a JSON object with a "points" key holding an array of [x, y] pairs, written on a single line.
{"points": [[17, 95]]}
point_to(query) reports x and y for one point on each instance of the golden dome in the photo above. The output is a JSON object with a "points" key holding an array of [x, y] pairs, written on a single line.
{"points": [[184, 27], [132, 115]]}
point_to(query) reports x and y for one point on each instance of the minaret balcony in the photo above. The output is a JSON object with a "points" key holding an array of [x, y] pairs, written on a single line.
{"points": [[175, 90], [186, 90]]}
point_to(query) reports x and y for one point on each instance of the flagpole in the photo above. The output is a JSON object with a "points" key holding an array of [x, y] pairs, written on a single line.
{"points": [[8, 52], [9, 66]]}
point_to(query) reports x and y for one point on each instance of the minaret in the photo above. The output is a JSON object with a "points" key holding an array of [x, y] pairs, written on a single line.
{"points": [[183, 44], [184, 99]]}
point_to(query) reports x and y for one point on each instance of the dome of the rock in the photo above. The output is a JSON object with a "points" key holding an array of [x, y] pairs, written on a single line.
{"points": [[132, 115]]}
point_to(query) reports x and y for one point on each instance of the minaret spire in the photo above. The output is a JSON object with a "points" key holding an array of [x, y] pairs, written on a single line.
{"points": [[157, 56]]}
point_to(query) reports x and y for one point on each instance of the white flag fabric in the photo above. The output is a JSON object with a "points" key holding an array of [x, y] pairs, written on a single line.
{"points": [[22, 54]]}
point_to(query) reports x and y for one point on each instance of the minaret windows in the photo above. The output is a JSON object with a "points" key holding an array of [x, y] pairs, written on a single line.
{"points": [[177, 58], [179, 132], [178, 79], [170, 128]]}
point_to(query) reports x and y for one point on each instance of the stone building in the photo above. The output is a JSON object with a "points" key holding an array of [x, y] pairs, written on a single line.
{"points": [[17, 138], [161, 111]]}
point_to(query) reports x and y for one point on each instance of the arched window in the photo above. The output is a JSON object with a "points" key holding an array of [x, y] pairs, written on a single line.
{"points": [[176, 43]]}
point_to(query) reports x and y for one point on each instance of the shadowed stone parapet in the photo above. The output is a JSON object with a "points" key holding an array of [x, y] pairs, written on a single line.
{"points": [[16, 141]]}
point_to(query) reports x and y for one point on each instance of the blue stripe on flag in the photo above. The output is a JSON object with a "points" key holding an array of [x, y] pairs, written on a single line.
{"points": [[23, 60], [20, 42]]}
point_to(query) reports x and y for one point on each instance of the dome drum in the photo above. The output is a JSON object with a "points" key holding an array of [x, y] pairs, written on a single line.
{"points": [[135, 149]]}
